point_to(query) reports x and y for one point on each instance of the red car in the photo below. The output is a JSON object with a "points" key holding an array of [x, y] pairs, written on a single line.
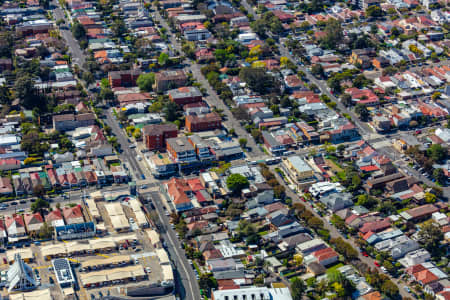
{"points": [[376, 263], [365, 254], [418, 131]]}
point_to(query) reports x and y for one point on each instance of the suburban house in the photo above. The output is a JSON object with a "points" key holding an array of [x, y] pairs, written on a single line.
{"points": [[15, 227], [55, 218], [73, 215], [6, 187], [179, 193], [33, 223], [272, 144], [299, 171]]}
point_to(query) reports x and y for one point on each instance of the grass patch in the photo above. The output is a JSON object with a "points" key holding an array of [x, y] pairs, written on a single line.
{"points": [[197, 268], [263, 233], [335, 267], [334, 166]]}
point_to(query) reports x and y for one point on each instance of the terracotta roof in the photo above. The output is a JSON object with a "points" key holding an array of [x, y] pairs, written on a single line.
{"points": [[425, 276], [372, 296], [325, 254], [35, 218], [53, 216], [72, 212], [375, 226], [10, 220], [195, 184]]}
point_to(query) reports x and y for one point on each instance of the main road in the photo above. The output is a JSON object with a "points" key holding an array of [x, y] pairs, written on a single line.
{"points": [[77, 54], [187, 284]]}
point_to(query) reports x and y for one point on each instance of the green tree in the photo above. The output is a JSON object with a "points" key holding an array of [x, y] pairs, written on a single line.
{"points": [[78, 31], [317, 70], [163, 59], [237, 182], [170, 111], [367, 201], [258, 80], [333, 34], [39, 205], [298, 288], [430, 198], [106, 94], [362, 111], [243, 142], [119, 28], [439, 175], [346, 100], [24, 90], [374, 11], [315, 223], [46, 231], [389, 288], [145, 81], [39, 190], [431, 236], [437, 153], [257, 135]]}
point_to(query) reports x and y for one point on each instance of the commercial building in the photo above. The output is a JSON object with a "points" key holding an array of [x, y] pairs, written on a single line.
{"points": [[299, 171], [253, 293], [63, 272], [180, 150]]}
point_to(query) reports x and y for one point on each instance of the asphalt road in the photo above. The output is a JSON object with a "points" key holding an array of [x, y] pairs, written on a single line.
{"points": [[187, 285], [73, 196], [212, 98], [188, 282], [188, 288], [78, 56]]}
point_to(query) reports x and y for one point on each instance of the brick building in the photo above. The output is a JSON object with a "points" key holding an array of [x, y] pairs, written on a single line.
{"points": [[185, 95], [208, 121], [71, 121], [166, 80], [123, 78], [155, 135]]}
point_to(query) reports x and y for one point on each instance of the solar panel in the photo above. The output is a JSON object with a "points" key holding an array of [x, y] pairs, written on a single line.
{"points": [[63, 270]]}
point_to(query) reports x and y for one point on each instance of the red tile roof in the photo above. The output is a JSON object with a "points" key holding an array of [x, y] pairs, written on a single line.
{"points": [[36, 218], [425, 276], [72, 212], [375, 226], [369, 168], [53, 216]]}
